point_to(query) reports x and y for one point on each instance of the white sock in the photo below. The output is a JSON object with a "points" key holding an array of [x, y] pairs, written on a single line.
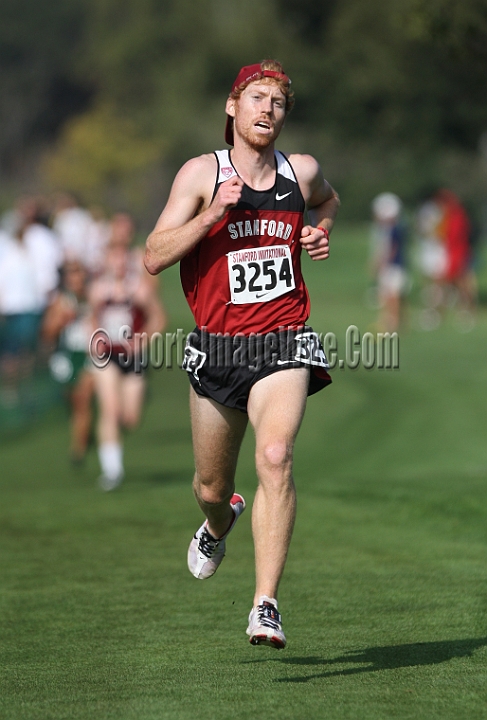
{"points": [[110, 456], [265, 598]]}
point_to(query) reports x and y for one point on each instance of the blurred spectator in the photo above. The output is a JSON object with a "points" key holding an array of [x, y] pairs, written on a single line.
{"points": [[455, 230], [97, 240], [6, 240], [459, 276], [445, 260], [84, 234], [42, 244], [67, 324], [388, 259], [431, 260], [29, 264], [72, 224], [122, 296]]}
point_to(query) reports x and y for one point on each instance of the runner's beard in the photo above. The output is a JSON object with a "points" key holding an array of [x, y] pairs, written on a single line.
{"points": [[255, 139]]}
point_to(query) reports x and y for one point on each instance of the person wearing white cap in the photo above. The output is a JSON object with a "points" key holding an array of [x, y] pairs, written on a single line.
{"points": [[235, 221], [388, 259]]}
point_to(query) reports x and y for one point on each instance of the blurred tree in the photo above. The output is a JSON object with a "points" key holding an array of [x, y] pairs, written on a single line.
{"points": [[38, 88], [391, 82], [400, 107], [457, 26], [387, 93], [99, 158], [167, 66]]}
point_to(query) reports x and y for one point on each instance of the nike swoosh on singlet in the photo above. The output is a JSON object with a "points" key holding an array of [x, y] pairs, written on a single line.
{"points": [[281, 197]]}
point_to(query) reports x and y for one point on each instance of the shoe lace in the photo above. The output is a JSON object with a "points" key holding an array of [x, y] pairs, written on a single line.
{"points": [[207, 545], [269, 616]]}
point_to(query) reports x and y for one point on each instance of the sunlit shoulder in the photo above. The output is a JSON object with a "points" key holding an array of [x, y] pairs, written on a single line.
{"points": [[308, 173], [306, 167], [197, 170]]}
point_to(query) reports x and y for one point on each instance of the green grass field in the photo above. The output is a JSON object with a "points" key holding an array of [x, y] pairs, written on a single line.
{"points": [[384, 597]]}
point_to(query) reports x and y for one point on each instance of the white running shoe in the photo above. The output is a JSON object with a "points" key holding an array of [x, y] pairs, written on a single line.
{"points": [[265, 624], [206, 552], [107, 483]]}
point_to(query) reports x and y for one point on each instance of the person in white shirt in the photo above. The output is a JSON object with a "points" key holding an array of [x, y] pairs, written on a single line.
{"points": [[29, 265], [73, 225]]}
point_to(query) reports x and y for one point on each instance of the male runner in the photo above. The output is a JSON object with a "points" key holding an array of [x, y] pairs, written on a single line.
{"points": [[122, 296], [235, 221]]}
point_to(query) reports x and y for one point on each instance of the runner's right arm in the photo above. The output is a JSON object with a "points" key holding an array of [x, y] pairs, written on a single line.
{"points": [[58, 314], [189, 213]]}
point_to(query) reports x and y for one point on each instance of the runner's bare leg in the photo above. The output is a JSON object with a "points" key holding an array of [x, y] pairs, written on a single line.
{"points": [[132, 394], [276, 407], [81, 414], [107, 384], [218, 432]]}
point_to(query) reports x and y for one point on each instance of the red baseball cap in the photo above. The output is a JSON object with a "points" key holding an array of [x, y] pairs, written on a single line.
{"points": [[248, 74]]}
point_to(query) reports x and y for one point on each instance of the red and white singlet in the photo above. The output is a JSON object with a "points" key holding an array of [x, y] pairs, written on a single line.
{"points": [[118, 309], [245, 276]]}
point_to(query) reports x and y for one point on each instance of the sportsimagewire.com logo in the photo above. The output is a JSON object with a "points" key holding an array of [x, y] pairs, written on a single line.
{"points": [[372, 351]]}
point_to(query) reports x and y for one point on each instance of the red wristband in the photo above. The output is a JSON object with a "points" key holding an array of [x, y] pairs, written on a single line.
{"points": [[327, 234]]}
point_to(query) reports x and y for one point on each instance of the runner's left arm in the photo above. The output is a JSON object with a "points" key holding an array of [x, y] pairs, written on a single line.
{"points": [[322, 203]]}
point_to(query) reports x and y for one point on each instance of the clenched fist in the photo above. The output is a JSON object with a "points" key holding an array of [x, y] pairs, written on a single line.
{"points": [[228, 195], [315, 241]]}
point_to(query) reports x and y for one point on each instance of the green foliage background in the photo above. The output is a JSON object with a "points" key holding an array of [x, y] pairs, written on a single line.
{"points": [[108, 98]]}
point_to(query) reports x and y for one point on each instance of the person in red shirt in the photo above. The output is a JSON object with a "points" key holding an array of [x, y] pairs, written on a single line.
{"points": [[456, 234], [456, 231], [235, 221]]}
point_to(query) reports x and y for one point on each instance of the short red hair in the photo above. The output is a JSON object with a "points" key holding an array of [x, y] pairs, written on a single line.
{"points": [[266, 71]]}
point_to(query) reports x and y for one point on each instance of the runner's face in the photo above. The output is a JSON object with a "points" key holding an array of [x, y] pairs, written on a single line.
{"points": [[75, 278], [259, 113], [117, 260]]}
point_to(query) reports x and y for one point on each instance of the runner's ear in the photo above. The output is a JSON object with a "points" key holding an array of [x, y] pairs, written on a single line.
{"points": [[230, 107]]}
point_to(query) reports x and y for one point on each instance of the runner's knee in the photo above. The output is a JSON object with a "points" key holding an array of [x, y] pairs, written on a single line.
{"points": [[212, 489], [130, 420], [274, 456]]}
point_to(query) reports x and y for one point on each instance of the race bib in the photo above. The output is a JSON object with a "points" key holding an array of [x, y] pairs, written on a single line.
{"points": [[260, 274], [76, 335], [309, 350]]}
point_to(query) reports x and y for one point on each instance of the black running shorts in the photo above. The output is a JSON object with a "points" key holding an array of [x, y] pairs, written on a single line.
{"points": [[128, 364], [224, 368]]}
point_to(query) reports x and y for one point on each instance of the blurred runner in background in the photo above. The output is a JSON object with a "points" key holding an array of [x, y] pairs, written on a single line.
{"points": [[125, 304], [122, 233], [67, 323]]}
